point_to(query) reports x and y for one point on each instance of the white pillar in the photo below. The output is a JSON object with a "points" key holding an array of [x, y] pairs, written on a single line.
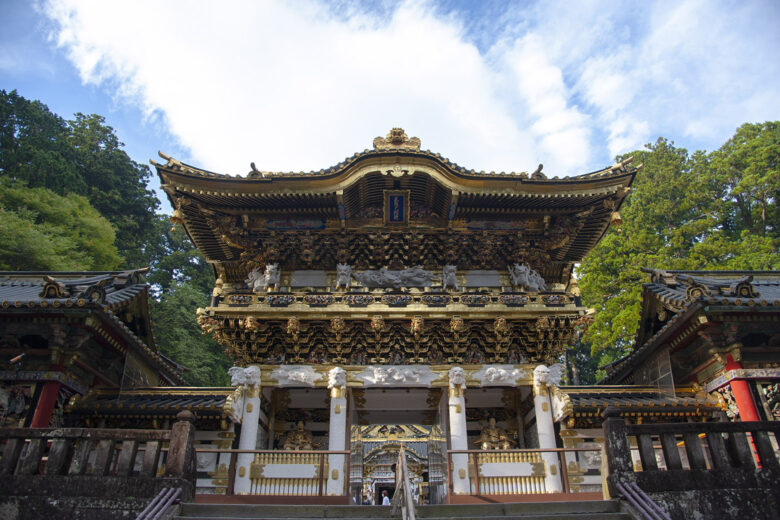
{"points": [[337, 433], [250, 421], [545, 428], [458, 431]]}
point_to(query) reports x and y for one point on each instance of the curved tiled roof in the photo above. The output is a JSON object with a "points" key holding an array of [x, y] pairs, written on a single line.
{"points": [[687, 291], [105, 292], [634, 397], [157, 401], [388, 146]]}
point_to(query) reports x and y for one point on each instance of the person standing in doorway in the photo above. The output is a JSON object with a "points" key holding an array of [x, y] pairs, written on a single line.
{"points": [[385, 498]]}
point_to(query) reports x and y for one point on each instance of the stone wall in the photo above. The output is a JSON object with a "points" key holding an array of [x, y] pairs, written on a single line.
{"points": [[42, 497]]}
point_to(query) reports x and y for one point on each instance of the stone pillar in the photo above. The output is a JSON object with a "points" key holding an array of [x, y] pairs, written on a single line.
{"points": [[545, 428], [616, 463], [458, 431], [181, 460], [250, 421], [741, 390], [46, 403], [337, 433]]}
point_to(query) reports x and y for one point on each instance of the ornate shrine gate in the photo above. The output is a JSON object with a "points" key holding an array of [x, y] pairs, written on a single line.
{"points": [[396, 288]]}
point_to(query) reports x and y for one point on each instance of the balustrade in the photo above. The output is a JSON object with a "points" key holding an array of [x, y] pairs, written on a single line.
{"points": [[286, 473], [523, 472]]}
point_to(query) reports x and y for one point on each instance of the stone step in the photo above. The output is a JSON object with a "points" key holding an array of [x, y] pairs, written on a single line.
{"points": [[192, 510], [564, 516], [585, 510], [525, 508]]}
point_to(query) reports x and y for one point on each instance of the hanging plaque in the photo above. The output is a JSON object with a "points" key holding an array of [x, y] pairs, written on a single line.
{"points": [[396, 207]]}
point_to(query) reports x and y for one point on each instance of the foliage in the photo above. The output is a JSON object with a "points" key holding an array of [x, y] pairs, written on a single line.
{"points": [[174, 259], [179, 336], [80, 183], [81, 156], [48, 232], [686, 211]]}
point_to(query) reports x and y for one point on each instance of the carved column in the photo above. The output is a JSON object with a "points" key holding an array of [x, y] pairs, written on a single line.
{"points": [[51, 389], [250, 421], [458, 431], [741, 390], [337, 434], [545, 428]]}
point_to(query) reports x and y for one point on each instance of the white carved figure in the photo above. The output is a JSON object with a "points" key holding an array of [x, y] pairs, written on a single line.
{"points": [[548, 376], [457, 377], [343, 275], [252, 375], [255, 280], [237, 376], [497, 375], [396, 375], [556, 374], [337, 378], [272, 275], [449, 278], [523, 276], [413, 277], [289, 376], [541, 375]]}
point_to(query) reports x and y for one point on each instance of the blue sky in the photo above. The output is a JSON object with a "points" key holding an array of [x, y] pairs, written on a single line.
{"points": [[493, 85]]}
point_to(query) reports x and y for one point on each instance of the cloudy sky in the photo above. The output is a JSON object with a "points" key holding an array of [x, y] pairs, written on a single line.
{"points": [[493, 85]]}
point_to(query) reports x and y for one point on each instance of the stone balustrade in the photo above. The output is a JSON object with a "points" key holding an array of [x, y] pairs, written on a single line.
{"points": [[706, 467], [99, 470]]}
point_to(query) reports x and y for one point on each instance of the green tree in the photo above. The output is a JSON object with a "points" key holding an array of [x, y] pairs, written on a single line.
{"points": [[34, 146], [686, 211], [116, 185], [81, 156], [44, 231], [174, 259], [180, 337]]}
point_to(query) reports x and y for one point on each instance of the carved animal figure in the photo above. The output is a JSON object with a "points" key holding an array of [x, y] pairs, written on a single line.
{"points": [[412, 277], [523, 276], [272, 275], [449, 278], [343, 275], [237, 376], [337, 378], [457, 377], [255, 280], [252, 375], [548, 376]]}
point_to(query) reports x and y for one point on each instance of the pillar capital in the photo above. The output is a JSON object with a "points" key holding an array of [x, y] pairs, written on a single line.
{"points": [[457, 381], [337, 382]]}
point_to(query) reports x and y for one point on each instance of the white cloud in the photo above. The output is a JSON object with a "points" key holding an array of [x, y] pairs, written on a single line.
{"points": [[295, 87]]}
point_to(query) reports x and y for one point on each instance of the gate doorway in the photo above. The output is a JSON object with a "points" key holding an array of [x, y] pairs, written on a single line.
{"points": [[383, 421]]}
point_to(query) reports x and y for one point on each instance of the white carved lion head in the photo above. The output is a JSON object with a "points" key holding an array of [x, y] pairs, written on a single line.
{"points": [[337, 378], [541, 375], [457, 377], [252, 375], [237, 376]]}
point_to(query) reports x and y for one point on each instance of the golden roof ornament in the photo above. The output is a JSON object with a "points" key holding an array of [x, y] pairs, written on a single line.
{"points": [[397, 138]]}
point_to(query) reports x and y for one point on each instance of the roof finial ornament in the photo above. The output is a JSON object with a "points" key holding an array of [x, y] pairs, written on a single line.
{"points": [[254, 172], [537, 174], [397, 138]]}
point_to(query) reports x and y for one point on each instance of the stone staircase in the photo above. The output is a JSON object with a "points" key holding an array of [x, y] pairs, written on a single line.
{"points": [[585, 510]]}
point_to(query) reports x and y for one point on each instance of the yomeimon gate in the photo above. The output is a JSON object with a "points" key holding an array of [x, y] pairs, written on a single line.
{"points": [[396, 323], [397, 289]]}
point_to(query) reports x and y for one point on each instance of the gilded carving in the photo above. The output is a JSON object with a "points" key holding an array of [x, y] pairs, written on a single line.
{"points": [[396, 138]]}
